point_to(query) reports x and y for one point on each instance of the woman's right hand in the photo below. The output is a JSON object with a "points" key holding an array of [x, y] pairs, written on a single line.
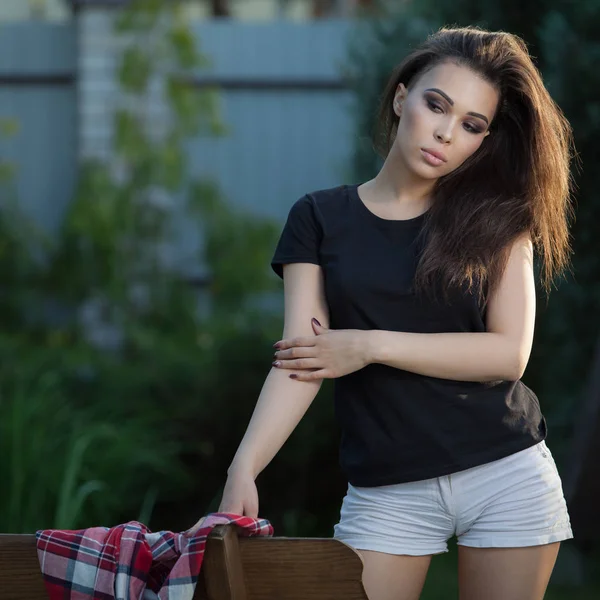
{"points": [[240, 495]]}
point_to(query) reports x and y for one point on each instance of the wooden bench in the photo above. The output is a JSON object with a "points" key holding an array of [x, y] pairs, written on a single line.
{"points": [[234, 568]]}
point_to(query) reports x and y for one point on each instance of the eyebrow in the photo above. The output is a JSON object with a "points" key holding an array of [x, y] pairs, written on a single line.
{"points": [[451, 102]]}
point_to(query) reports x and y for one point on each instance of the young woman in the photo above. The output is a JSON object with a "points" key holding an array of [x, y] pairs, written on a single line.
{"points": [[416, 292]]}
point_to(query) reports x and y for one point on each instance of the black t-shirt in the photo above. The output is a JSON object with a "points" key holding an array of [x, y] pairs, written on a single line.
{"points": [[399, 426]]}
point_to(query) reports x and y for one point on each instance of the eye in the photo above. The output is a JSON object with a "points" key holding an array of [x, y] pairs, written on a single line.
{"points": [[471, 128], [433, 106]]}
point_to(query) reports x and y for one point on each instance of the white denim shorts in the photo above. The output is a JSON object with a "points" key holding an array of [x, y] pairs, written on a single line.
{"points": [[515, 501]]}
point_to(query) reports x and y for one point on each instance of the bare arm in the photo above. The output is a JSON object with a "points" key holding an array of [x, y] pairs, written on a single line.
{"points": [[502, 352], [283, 402]]}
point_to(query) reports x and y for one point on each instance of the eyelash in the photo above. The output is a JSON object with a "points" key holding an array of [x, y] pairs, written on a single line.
{"points": [[433, 105]]}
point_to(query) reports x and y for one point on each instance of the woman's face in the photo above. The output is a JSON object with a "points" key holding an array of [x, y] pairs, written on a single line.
{"points": [[447, 111]]}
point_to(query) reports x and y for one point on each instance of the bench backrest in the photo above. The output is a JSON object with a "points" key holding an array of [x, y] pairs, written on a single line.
{"points": [[20, 576], [233, 569]]}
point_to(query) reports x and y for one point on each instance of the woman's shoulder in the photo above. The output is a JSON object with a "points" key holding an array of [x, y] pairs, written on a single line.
{"points": [[323, 209], [327, 200]]}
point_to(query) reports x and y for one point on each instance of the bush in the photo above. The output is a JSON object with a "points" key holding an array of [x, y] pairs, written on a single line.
{"points": [[113, 391]]}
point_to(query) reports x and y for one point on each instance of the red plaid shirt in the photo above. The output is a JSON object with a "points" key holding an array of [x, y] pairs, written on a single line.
{"points": [[129, 562]]}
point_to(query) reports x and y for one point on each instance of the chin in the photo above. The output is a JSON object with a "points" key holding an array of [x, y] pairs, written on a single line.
{"points": [[425, 171]]}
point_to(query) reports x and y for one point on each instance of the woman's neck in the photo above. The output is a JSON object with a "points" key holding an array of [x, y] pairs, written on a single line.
{"points": [[395, 184]]}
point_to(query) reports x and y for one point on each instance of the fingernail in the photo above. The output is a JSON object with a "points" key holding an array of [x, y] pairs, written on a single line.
{"points": [[317, 322], [277, 345], [276, 363], [293, 376]]}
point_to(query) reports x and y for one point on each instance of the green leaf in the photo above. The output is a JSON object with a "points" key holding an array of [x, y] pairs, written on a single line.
{"points": [[135, 70], [172, 164], [148, 504], [69, 499], [139, 15], [184, 101], [130, 138], [183, 45], [209, 109]]}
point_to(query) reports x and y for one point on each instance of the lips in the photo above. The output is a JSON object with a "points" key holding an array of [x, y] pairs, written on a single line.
{"points": [[439, 155]]}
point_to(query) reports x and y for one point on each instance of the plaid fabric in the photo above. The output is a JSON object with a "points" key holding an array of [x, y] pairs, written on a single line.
{"points": [[128, 561]]}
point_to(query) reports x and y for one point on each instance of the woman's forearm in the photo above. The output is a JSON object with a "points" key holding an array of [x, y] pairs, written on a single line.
{"points": [[458, 356], [281, 405]]}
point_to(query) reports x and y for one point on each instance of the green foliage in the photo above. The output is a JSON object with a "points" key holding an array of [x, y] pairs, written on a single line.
{"points": [[59, 454], [230, 235], [135, 70], [8, 129], [562, 37], [124, 387], [20, 241]]}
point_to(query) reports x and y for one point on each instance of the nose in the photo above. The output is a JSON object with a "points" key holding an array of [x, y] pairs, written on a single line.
{"points": [[443, 133], [444, 137]]}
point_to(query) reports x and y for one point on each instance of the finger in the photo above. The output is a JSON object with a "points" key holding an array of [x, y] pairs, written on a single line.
{"points": [[318, 327], [295, 353], [314, 376], [301, 363], [298, 341]]}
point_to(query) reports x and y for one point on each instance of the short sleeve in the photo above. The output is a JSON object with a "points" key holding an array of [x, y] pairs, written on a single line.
{"points": [[301, 236]]}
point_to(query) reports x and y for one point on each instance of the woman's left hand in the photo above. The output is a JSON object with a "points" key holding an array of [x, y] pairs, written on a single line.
{"points": [[329, 354]]}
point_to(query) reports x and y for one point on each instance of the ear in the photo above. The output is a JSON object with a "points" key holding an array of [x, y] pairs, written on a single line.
{"points": [[401, 90], [399, 98]]}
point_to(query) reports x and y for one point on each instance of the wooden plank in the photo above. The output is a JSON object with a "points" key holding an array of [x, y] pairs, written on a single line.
{"points": [[201, 593], [20, 575], [245, 569], [307, 50], [222, 565], [36, 79], [44, 150], [301, 568], [37, 48]]}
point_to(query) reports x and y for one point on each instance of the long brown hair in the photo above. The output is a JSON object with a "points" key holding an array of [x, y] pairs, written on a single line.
{"points": [[518, 181]]}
